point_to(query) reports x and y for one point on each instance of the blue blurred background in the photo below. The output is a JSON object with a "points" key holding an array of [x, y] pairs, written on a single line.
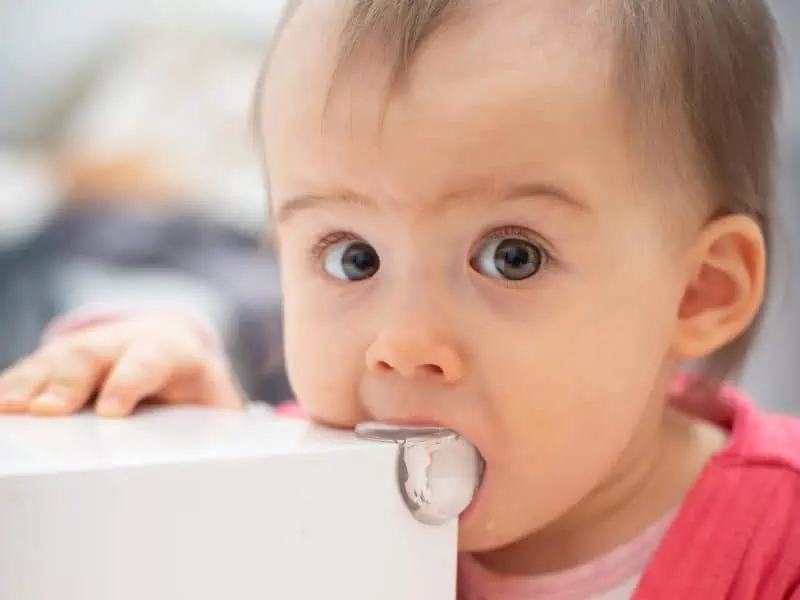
{"points": [[128, 177]]}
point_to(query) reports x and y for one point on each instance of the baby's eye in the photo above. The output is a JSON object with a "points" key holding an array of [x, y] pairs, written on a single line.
{"points": [[511, 259], [351, 261]]}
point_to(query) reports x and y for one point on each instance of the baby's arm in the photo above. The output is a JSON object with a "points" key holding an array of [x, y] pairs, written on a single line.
{"points": [[121, 360]]}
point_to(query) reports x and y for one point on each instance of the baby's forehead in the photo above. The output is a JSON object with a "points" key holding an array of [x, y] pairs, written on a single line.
{"points": [[508, 96], [373, 26], [547, 41]]}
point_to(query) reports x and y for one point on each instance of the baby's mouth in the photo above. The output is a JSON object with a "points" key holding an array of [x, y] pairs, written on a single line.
{"points": [[439, 471]]}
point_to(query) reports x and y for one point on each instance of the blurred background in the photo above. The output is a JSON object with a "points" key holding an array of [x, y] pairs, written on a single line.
{"points": [[128, 178]]}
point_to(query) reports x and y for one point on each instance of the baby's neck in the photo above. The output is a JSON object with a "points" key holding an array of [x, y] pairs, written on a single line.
{"points": [[661, 470]]}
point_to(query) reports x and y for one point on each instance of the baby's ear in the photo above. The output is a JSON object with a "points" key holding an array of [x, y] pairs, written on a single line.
{"points": [[725, 286]]}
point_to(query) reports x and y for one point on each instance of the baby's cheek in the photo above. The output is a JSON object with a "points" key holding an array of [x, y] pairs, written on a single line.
{"points": [[558, 431], [324, 373]]}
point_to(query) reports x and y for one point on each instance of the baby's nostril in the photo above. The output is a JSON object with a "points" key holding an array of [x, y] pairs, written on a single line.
{"points": [[422, 370], [434, 370]]}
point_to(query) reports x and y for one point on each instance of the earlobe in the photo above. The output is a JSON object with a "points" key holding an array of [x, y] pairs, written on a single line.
{"points": [[725, 286]]}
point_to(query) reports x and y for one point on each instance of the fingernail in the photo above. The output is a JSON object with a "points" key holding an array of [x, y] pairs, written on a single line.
{"points": [[48, 402], [110, 407]]}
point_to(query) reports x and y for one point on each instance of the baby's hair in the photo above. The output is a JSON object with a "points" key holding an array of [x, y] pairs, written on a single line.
{"points": [[702, 71]]}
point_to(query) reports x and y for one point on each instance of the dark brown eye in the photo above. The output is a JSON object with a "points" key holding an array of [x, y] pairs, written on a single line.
{"points": [[352, 261], [510, 259]]}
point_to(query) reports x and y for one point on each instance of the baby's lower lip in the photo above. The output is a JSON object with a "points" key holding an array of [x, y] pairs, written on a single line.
{"points": [[472, 508], [398, 432]]}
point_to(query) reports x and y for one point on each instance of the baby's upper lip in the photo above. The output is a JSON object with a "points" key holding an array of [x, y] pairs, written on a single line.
{"points": [[413, 422], [419, 421], [412, 408]]}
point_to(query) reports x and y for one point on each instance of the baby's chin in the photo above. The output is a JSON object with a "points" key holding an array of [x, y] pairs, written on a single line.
{"points": [[479, 529], [483, 538], [493, 523], [488, 536]]}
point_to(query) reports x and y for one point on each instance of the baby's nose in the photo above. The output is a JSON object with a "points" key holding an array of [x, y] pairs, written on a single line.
{"points": [[416, 354]]}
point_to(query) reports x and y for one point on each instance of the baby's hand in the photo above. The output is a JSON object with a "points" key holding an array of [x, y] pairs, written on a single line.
{"points": [[119, 363]]}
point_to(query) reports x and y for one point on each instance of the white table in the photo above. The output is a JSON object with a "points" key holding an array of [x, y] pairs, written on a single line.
{"points": [[178, 504]]}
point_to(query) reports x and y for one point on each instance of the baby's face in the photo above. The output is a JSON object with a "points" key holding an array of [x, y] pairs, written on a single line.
{"points": [[489, 257]]}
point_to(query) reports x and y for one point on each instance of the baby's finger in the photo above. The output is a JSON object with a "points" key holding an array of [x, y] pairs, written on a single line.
{"points": [[21, 383], [138, 374], [224, 392], [75, 376]]}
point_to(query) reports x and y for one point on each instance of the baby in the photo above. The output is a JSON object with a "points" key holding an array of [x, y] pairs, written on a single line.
{"points": [[521, 220]]}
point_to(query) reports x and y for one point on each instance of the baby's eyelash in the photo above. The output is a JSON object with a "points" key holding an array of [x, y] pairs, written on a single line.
{"points": [[331, 239], [515, 231], [510, 231]]}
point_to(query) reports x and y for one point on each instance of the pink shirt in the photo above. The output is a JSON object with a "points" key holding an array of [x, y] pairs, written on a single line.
{"points": [[737, 535]]}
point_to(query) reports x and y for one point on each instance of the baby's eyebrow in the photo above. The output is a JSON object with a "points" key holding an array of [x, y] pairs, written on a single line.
{"points": [[518, 191], [303, 202], [513, 192]]}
